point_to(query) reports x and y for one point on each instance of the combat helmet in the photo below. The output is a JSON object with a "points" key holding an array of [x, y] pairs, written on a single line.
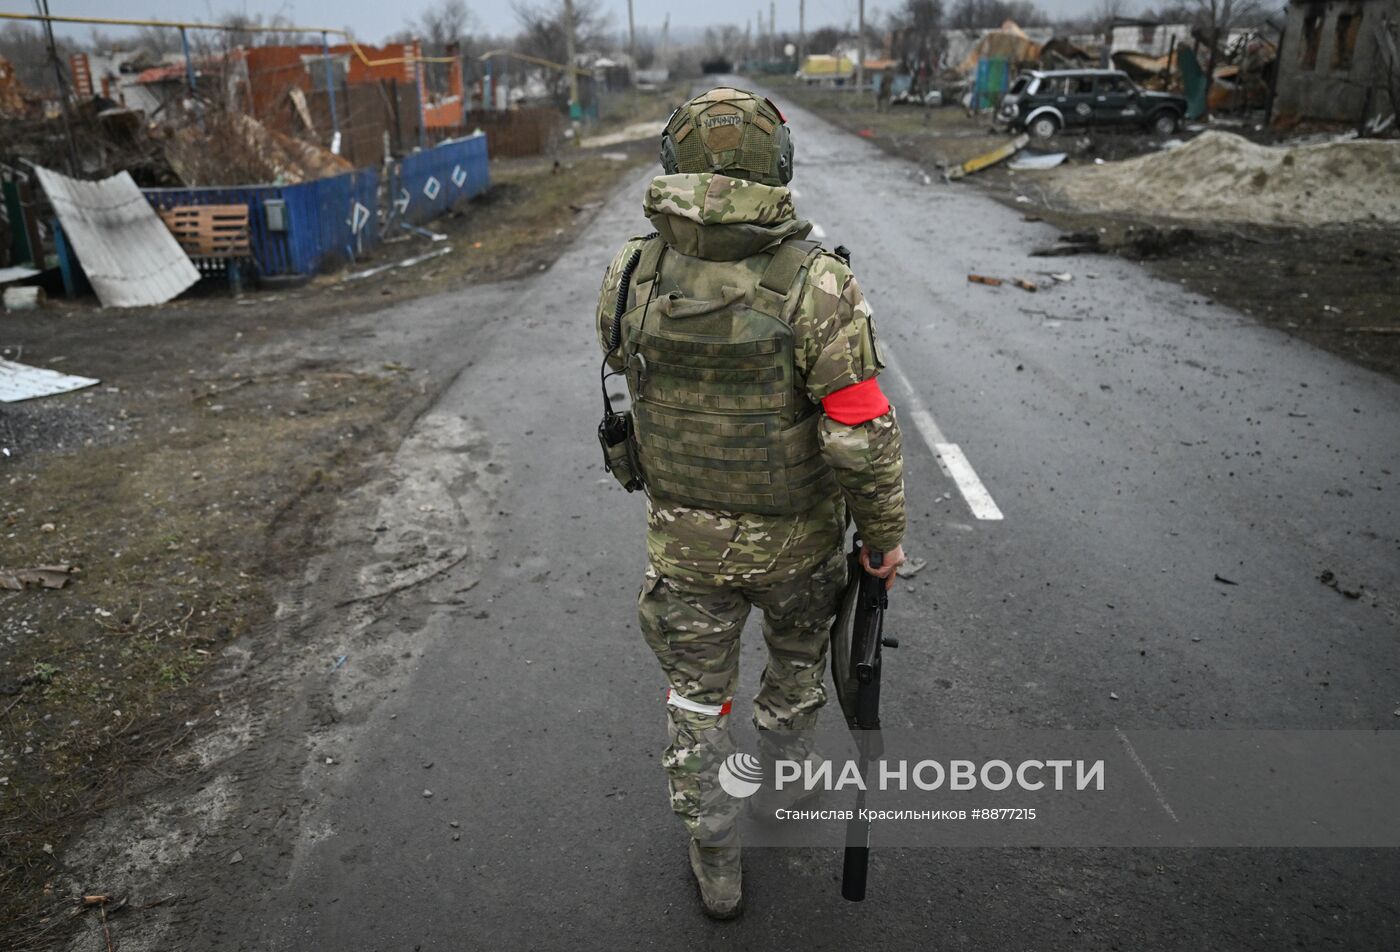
{"points": [[731, 131]]}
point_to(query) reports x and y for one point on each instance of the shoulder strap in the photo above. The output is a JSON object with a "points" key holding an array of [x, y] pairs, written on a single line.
{"points": [[780, 276], [647, 267]]}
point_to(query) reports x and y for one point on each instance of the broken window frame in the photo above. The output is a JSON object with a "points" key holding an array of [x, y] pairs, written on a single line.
{"points": [[1344, 36], [1312, 40]]}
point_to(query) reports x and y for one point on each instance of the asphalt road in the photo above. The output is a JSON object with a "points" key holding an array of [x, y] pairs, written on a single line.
{"points": [[1137, 441]]}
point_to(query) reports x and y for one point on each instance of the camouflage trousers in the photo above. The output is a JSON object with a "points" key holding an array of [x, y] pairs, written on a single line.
{"points": [[694, 631]]}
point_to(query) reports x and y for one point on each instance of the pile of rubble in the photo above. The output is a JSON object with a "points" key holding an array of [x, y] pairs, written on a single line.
{"points": [[1219, 176], [236, 149]]}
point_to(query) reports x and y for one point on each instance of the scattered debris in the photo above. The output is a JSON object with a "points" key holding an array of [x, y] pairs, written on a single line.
{"points": [[236, 858], [1047, 160], [1025, 285], [235, 148], [988, 159], [23, 382], [911, 568], [422, 232], [983, 279], [127, 253], [25, 298], [1225, 581], [1078, 243], [406, 263], [45, 576], [338, 662], [1113, 695], [1329, 578]]}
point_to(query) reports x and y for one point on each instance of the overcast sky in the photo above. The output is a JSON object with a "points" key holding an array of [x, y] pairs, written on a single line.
{"points": [[371, 20]]}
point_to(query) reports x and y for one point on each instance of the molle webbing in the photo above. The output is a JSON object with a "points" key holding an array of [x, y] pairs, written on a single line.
{"points": [[721, 421]]}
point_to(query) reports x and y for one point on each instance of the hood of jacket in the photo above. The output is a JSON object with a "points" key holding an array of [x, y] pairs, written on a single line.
{"points": [[719, 218]]}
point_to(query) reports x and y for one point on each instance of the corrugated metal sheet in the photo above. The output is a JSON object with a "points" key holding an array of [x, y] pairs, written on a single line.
{"points": [[128, 254], [334, 219], [429, 183], [23, 382], [326, 220]]}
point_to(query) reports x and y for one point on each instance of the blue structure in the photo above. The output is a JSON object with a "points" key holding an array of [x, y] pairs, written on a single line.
{"points": [[306, 228], [992, 81], [427, 184]]}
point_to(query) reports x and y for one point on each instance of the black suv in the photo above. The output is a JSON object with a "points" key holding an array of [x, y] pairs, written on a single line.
{"points": [[1044, 102]]}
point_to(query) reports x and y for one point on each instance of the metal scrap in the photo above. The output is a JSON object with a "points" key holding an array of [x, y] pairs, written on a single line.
{"points": [[128, 254], [23, 382], [988, 159], [44, 576]]}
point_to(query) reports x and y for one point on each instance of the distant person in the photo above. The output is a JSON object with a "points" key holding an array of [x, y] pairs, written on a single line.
{"points": [[884, 90], [758, 427]]}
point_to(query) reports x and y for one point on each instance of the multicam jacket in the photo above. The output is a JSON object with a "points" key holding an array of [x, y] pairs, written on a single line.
{"points": [[714, 217]]}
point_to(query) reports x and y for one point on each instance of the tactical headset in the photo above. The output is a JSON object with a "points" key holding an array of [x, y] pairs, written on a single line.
{"points": [[761, 153]]}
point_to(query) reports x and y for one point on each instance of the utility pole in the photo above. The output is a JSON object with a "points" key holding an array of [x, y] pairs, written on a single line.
{"points": [[631, 36], [801, 32], [860, 51], [575, 109], [773, 29], [43, 8]]}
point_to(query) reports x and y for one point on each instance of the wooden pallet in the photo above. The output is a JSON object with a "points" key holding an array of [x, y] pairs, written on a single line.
{"points": [[209, 231]]}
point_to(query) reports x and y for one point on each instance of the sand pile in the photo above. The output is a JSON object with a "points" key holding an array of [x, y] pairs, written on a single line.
{"points": [[1219, 176]]}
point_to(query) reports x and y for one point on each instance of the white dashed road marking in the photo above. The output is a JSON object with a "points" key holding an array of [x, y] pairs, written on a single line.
{"points": [[949, 455]]}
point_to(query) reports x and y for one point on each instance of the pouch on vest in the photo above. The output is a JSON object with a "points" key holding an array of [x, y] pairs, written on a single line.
{"points": [[615, 434]]}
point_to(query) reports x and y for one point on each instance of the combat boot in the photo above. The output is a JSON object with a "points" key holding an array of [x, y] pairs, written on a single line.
{"points": [[719, 874]]}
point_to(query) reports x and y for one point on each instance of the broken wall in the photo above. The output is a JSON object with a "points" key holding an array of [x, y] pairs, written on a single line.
{"points": [[1330, 66]]}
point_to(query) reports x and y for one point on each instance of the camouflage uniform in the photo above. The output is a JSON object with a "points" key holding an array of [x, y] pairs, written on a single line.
{"points": [[708, 567]]}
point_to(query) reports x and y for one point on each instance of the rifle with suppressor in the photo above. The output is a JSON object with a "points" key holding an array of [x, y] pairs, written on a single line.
{"points": [[857, 637]]}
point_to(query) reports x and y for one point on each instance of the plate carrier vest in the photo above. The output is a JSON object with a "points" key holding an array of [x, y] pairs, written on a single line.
{"points": [[721, 419]]}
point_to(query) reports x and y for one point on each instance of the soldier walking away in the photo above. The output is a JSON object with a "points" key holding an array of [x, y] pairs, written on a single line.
{"points": [[884, 91], [757, 427]]}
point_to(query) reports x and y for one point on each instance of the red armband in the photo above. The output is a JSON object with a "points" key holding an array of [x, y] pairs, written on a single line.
{"points": [[856, 404]]}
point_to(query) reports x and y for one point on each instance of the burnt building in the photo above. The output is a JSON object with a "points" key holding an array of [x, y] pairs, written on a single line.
{"points": [[1338, 61]]}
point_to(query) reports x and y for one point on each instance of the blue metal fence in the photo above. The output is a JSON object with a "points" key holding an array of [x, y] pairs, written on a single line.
{"points": [[426, 184], [335, 219]]}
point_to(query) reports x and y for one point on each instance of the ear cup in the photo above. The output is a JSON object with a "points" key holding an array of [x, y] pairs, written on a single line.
{"points": [[669, 163], [783, 135]]}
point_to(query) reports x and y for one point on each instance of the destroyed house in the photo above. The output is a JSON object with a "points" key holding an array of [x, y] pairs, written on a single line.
{"points": [[1337, 61]]}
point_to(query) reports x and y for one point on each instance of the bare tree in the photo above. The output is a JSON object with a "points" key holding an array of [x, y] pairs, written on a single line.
{"points": [[443, 30], [542, 35], [823, 40], [1106, 13], [721, 42], [444, 24], [27, 50], [916, 35], [981, 14]]}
